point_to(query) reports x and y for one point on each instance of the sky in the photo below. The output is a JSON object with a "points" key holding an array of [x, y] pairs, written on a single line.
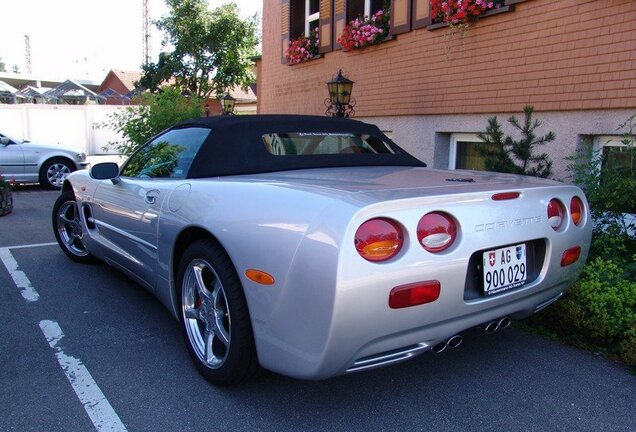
{"points": [[84, 39]]}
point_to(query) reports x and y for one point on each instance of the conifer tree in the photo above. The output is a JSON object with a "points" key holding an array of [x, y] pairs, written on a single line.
{"points": [[504, 154]]}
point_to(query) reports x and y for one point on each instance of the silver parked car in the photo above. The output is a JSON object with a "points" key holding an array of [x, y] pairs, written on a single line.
{"points": [[28, 162], [315, 246]]}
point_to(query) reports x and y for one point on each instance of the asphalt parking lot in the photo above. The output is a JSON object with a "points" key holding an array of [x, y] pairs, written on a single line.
{"points": [[82, 347]]}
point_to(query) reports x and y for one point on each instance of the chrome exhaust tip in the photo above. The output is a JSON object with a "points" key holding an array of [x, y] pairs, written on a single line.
{"points": [[455, 341], [491, 327], [439, 347], [504, 322]]}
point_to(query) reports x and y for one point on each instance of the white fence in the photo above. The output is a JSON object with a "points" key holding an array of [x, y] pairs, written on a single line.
{"points": [[73, 126]]}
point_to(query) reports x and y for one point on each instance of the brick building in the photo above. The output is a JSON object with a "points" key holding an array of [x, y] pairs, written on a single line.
{"points": [[573, 60]]}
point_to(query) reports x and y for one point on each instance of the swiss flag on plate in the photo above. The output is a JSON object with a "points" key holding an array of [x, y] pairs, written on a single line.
{"points": [[491, 258]]}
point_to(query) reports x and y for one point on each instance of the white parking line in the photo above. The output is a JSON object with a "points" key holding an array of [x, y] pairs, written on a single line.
{"points": [[21, 280], [30, 245], [97, 407]]}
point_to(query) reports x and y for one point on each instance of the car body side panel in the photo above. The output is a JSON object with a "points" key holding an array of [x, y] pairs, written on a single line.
{"points": [[12, 162], [259, 230], [126, 213]]}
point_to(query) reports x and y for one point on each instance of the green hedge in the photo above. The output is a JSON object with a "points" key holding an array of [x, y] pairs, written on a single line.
{"points": [[599, 311]]}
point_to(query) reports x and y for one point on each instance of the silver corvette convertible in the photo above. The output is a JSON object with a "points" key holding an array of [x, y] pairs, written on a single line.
{"points": [[315, 246]]}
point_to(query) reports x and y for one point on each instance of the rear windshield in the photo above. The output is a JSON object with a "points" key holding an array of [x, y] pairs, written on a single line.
{"points": [[324, 143]]}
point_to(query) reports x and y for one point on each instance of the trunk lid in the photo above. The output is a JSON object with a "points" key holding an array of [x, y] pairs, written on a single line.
{"points": [[382, 183]]}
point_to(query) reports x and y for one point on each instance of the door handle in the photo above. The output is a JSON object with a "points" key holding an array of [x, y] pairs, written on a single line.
{"points": [[151, 196]]}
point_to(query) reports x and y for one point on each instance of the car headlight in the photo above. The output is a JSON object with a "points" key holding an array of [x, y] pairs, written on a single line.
{"points": [[80, 157]]}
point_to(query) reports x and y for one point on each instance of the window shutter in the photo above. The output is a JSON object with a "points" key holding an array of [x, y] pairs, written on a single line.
{"points": [[326, 26], [400, 16], [421, 13], [340, 20], [284, 31]]}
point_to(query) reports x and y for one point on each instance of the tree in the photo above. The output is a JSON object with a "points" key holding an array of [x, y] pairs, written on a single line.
{"points": [[15, 68], [211, 49], [157, 112], [504, 154], [2, 66]]}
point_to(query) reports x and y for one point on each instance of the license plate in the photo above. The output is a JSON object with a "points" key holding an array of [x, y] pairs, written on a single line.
{"points": [[504, 269]]}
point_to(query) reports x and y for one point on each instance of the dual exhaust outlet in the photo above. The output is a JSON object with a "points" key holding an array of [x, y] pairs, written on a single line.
{"points": [[453, 342], [495, 325], [457, 340]]}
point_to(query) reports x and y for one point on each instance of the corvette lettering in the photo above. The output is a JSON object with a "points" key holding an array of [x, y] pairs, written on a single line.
{"points": [[508, 224]]}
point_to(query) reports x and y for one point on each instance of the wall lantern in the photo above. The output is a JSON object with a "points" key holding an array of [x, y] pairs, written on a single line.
{"points": [[340, 103], [227, 104]]}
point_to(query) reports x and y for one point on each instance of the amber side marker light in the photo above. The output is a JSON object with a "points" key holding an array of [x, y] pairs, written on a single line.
{"points": [[259, 277], [414, 294], [570, 256]]}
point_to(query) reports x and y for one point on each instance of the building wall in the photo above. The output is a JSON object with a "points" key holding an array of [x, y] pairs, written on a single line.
{"points": [[74, 126], [428, 137], [573, 60], [555, 55]]}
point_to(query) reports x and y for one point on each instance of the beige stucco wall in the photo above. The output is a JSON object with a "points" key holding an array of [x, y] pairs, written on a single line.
{"points": [[427, 137]]}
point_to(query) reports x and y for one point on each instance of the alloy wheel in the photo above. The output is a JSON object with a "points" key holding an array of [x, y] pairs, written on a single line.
{"points": [[69, 227], [206, 313], [57, 173]]}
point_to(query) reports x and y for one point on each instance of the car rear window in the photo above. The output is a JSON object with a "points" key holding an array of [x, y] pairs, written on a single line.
{"points": [[324, 143]]}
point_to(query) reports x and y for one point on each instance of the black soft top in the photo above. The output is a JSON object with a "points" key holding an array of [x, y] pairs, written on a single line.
{"points": [[235, 146]]}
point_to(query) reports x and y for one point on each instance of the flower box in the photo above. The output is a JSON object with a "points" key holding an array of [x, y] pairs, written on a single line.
{"points": [[303, 48], [362, 32]]}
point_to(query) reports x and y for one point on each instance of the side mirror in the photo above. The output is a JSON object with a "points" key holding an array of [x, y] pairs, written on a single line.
{"points": [[5, 141], [105, 171]]}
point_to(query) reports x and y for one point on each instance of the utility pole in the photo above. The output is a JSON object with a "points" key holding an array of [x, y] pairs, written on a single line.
{"points": [[27, 47], [146, 34]]}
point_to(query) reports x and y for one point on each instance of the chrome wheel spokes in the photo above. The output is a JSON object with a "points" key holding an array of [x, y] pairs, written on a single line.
{"points": [[56, 174], [206, 314], [69, 227]]}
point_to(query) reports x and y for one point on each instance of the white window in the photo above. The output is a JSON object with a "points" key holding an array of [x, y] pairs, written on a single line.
{"points": [[612, 147], [463, 152], [312, 15], [372, 6], [363, 8]]}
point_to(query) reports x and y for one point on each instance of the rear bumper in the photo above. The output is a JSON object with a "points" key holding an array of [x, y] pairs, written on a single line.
{"points": [[420, 340], [392, 336]]}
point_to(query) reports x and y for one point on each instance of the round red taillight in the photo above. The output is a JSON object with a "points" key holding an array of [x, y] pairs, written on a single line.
{"points": [[379, 239], [436, 231], [556, 214], [576, 210]]}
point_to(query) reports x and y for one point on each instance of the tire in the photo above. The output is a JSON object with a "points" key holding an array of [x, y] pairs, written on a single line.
{"points": [[213, 315], [67, 227], [54, 171]]}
